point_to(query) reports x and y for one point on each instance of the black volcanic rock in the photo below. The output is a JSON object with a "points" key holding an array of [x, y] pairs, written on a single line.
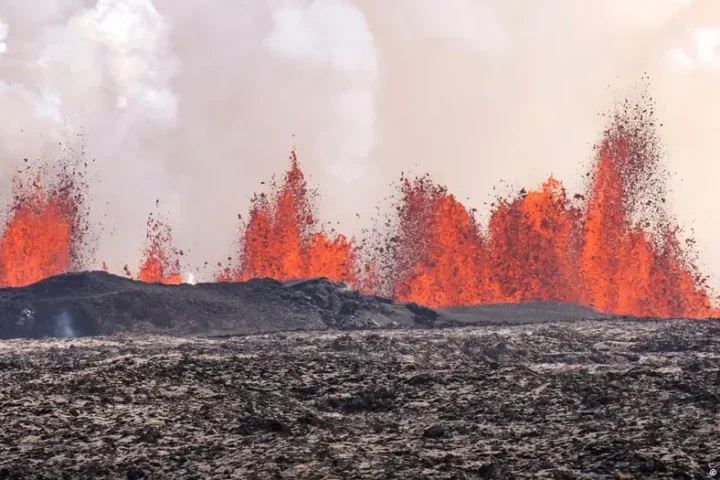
{"points": [[546, 401], [98, 303]]}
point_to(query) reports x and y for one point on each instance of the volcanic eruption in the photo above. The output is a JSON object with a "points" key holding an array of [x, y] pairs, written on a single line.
{"points": [[283, 240], [46, 231], [615, 247], [161, 260]]}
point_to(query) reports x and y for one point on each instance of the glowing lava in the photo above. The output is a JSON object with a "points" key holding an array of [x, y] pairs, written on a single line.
{"points": [[631, 261], [282, 240], [439, 256], [618, 252], [161, 261], [534, 245], [45, 230], [615, 248]]}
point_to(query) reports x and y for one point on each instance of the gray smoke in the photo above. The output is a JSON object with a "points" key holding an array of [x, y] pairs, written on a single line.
{"points": [[196, 105], [64, 326]]}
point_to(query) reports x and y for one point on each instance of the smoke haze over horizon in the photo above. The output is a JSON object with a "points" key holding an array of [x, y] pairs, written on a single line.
{"points": [[197, 106]]}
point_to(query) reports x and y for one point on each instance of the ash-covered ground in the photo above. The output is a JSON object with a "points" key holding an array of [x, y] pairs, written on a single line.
{"points": [[586, 399]]}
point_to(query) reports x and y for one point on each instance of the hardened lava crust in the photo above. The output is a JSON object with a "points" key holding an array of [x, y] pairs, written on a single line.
{"points": [[584, 399], [98, 303]]}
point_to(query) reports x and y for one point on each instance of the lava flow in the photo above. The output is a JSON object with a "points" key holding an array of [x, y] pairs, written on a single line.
{"points": [[46, 225], [282, 240], [614, 249], [161, 260]]}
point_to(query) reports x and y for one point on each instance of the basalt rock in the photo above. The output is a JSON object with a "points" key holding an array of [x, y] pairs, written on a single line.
{"points": [[98, 303]]}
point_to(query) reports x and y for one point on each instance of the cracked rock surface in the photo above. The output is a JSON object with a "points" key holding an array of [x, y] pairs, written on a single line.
{"points": [[594, 399]]}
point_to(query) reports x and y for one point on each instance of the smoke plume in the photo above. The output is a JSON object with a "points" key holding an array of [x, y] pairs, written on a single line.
{"points": [[195, 106], [64, 326]]}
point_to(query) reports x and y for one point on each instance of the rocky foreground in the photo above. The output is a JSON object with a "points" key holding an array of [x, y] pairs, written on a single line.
{"points": [[594, 399]]}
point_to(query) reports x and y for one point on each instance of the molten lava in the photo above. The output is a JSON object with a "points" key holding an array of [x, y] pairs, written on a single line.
{"points": [[161, 261], [631, 260], [439, 256], [44, 232], [281, 239], [617, 253], [534, 246], [614, 248]]}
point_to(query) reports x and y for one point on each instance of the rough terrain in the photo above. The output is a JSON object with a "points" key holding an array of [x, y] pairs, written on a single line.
{"points": [[588, 399], [98, 303]]}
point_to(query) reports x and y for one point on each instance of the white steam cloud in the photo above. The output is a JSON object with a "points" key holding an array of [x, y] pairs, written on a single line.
{"points": [[333, 34], [4, 28], [196, 105]]}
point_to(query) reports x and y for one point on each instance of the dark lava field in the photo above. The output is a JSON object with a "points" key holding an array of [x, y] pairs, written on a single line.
{"points": [[99, 303], [309, 380], [587, 399]]}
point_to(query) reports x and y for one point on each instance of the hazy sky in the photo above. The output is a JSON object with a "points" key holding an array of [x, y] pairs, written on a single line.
{"points": [[195, 105]]}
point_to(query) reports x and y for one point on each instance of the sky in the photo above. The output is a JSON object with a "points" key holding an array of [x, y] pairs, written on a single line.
{"points": [[196, 106]]}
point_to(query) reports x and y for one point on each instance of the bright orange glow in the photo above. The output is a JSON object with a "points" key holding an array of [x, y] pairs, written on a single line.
{"points": [[614, 248], [43, 234], [281, 239], [161, 263]]}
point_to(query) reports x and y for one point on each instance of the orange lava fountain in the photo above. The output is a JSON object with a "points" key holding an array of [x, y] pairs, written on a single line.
{"points": [[161, 261], [618, 252], [631, 261], [534, 246], [45, 230], [615, 248], [282, 241], [440, 256]]}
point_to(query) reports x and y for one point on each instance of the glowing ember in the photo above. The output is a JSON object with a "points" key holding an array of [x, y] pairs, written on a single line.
{"points": [[46, 226], [281, 239], [161, 261]]}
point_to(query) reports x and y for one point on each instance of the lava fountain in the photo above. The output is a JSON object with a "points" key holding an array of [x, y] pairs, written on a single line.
{"points": [[282, 239], [46, 227], [161, 260], [631, 261], [615, 248]]}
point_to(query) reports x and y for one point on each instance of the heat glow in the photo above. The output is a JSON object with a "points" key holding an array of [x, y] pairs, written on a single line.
{"points": [[283, 240], [614, 247], [161, 260], [45, 230]]}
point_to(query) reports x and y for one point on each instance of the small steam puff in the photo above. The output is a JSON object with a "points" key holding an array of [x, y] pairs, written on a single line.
{"points": [[189, 278], [63, 326]]}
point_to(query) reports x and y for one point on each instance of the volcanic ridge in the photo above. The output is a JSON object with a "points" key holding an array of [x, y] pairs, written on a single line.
{"points": [[99, 303]]}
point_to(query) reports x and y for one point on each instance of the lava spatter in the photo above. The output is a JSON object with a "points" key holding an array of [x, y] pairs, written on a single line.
{"points": [[614, 248], [161, 260], [282, 239], [534, 246], [46, 230]]}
